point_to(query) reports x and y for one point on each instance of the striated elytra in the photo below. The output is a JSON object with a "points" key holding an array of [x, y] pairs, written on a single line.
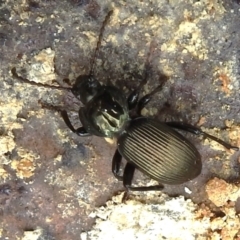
{"points": [[159, 151]]}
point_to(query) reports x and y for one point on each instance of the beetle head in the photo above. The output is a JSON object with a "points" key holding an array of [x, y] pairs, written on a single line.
{"points": [[85, 88]]}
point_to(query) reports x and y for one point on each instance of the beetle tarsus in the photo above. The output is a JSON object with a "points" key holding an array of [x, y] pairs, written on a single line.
{"points": [[116, 164], [125, 196], [225, 144]]}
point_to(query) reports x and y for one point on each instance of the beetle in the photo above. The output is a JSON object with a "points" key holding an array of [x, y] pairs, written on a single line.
{"points": [[153, 147]]}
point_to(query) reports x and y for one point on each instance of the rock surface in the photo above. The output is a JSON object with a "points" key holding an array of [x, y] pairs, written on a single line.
{"points": [[51, 179]]}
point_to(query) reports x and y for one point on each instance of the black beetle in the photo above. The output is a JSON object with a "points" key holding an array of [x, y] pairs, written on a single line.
{"points": [[153, 147]]}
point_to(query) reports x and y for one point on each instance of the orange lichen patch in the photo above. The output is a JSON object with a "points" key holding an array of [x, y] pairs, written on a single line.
{"points": [[234, 135], [224, 195], [225, 76], [231, 226], [203, 212], [201, 121], [225, 82], [220, 192], [24, 168], [225, 228]]}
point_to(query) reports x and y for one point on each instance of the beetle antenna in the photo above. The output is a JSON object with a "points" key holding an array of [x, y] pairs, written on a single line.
{"points": [[92, 62], [14, 73]]}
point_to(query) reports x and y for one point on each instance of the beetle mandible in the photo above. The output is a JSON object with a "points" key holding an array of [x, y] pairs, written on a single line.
{"points": [[151, 146]]}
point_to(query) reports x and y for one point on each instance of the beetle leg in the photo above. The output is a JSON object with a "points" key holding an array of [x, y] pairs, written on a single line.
{"points": [[133, 97], [128, 177], [197, 131], [79, 131], [116, 163], [147, 98]]}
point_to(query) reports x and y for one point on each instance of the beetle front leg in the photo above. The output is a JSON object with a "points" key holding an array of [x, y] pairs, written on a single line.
{"points": [[197, 131], [79, 131], [133, 97], [116, 163], [147, 98]]}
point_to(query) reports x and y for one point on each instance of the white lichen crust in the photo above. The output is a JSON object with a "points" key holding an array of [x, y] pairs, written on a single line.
{"points": [[153, 216]]}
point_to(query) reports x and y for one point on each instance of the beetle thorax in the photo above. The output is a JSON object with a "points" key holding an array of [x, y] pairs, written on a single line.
{"points": [[111, 114], [109, 124], [106, 114]]}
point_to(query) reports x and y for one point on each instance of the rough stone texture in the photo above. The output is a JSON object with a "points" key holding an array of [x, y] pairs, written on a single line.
{"points": [[51, 179], [224, 195], [158, 216], [220, 192]]}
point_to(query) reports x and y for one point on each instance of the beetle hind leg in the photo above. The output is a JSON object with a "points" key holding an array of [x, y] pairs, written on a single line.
{"points": [[127, 182], [197, 131]]}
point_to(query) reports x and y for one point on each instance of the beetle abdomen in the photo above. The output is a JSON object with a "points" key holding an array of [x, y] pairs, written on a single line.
{"points": [[159, 151]]}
